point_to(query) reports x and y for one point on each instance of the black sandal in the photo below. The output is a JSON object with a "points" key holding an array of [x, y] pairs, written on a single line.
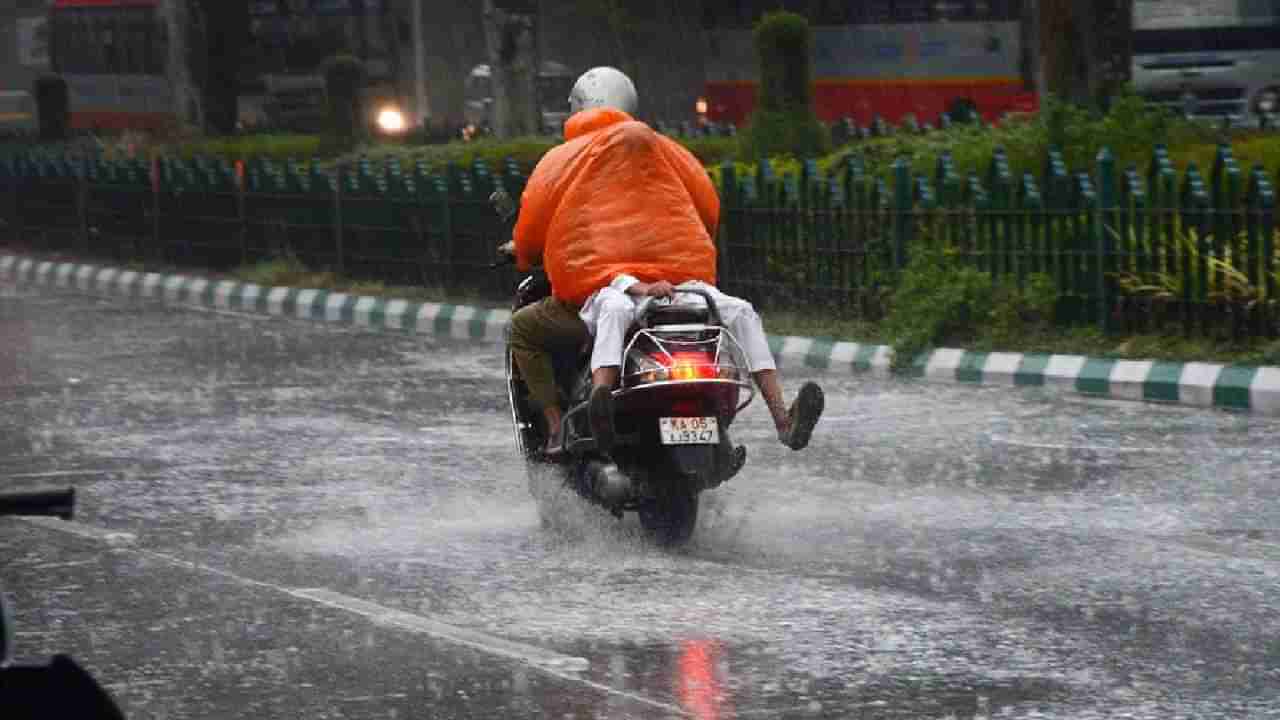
{"points": [[553, 451], [803, 416], [737, 460]]}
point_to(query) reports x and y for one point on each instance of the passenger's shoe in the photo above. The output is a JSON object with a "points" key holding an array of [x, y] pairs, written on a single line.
{"points": [[802, 417], [600, 415]]}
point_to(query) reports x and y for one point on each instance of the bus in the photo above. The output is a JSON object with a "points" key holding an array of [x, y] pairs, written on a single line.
{"points": [[25, 24], [879, 58], [1209, 58], [112, 55], [117, 59]]}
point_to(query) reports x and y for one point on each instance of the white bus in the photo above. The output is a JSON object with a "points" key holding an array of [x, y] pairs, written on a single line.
{"points": [[1209, 58]]}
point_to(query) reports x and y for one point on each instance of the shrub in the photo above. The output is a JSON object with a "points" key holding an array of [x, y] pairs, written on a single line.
{"points": [[711, 150], [784, 122], [784, 132], [1228, 278], [940, 299], [275, 147], [526, 151], [53, 108], [1130, 130], [784, 43], [344, 78]]}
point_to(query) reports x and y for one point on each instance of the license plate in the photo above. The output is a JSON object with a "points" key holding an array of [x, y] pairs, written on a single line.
{"points": [[689, 430]]}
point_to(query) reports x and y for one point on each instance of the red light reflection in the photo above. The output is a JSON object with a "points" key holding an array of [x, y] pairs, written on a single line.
{"points": [[699, 684]]}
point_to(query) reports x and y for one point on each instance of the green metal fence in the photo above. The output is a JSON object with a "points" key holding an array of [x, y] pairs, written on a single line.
{"points": [[371, 221], [1132, 249], [1128, 248]]}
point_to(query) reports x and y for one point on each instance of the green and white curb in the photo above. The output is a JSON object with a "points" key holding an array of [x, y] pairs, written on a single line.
{"points": [[457, 321], [1237, 387]]}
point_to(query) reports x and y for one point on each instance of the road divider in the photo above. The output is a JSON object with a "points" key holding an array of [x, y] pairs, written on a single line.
{"points": [[1233, 387]]}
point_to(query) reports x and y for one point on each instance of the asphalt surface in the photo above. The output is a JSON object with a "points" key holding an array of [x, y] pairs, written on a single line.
{"points": [[279, 519]]}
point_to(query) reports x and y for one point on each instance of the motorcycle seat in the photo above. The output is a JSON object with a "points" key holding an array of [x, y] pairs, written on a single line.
{"points": [[676, 315]]}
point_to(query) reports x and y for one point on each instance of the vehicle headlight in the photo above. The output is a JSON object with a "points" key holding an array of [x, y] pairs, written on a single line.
{"points": [[391, 120], [1268, 100]]}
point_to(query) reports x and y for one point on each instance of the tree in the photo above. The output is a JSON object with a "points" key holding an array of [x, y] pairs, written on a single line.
{"points": [[344, 77], [223, 32], [511, 42], [1088, 49], [52, 107], [1031, 63], [784, 121], [660, 44], [181, 56]]}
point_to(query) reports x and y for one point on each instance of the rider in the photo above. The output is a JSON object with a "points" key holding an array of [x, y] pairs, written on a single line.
{"points": [[619, 215]]}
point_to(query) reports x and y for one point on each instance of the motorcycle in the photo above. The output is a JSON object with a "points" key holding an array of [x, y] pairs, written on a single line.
{"points": [[682, 384], [62, 688]]}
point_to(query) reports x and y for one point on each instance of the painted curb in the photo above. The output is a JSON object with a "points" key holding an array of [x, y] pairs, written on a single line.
{"points": [[1234, 387]]}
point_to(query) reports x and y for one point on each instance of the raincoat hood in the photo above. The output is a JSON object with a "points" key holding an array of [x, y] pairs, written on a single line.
{"points": [[589, 121]]}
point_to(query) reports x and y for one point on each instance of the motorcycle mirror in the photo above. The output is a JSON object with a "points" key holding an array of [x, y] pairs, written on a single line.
{"points": [[502, 203]]}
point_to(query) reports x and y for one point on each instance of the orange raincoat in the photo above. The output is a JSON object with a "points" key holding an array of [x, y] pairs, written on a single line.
{"points": [[617, 198]]}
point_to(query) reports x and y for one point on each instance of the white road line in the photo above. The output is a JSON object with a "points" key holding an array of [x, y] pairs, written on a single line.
{"points": [[1001, 440], [70, 527], [58, 474], [1246, 549], [76, 563], [812, 709], [239, 314], [381, 615], [563, 667]]}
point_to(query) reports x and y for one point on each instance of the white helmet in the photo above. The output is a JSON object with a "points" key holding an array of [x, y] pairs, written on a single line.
{"points": [[603, 87]]}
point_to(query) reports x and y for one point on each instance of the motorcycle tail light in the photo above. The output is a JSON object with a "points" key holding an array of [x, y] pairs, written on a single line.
{"points": [[679, 366], [689, 365]]}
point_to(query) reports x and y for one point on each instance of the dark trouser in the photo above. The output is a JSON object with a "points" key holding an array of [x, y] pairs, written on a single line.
{"points": [[539, 330]]}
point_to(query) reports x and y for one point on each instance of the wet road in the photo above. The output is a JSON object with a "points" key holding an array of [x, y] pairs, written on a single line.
{"points": [[281, 520]]}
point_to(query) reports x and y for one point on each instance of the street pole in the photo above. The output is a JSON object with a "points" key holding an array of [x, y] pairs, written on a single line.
{"points": [[419, 65], [1037, 47], [1034, 46]]}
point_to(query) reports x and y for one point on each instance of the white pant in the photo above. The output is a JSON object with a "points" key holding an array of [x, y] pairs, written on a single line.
{"points": [[610, 312]]}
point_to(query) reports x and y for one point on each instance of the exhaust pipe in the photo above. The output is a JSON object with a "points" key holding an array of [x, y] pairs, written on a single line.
{"points": [[609, 483]]}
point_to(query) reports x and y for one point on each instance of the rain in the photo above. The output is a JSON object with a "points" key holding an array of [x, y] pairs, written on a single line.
{"points": [[289, 516], [254, 295]]}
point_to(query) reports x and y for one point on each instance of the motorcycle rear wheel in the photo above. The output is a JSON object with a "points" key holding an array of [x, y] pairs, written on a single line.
{"points": [[671, 517]]}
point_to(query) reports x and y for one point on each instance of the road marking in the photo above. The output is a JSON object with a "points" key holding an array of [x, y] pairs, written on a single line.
{"points": [[1233, 547], [381, 615], [58, 474], [238, 314], [76, 563], [114, 538], [1001, 440], [548, 662]]}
